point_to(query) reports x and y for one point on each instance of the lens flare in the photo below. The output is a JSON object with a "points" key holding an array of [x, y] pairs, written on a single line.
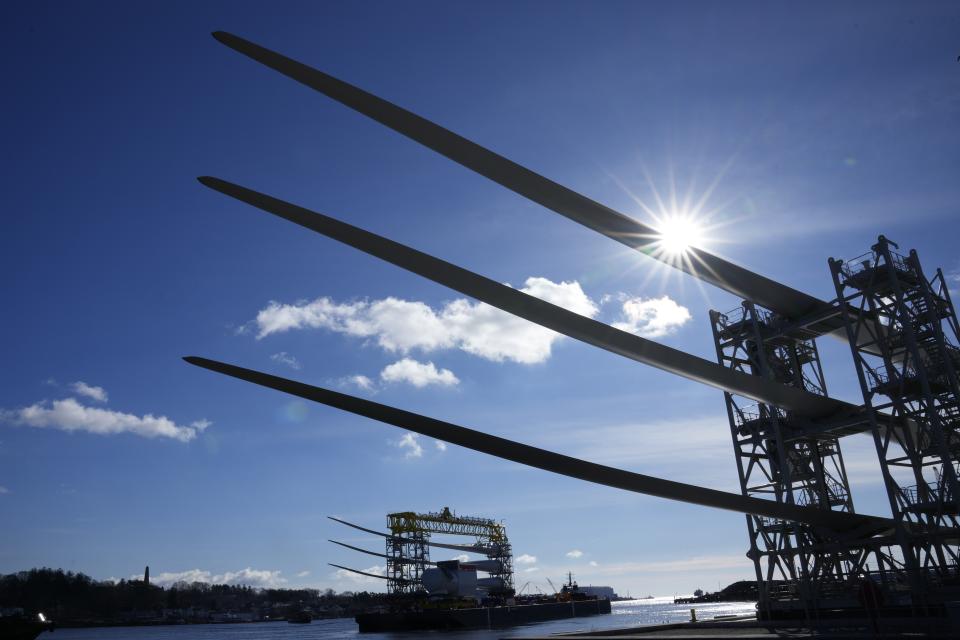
{"points": [[678, 233]]}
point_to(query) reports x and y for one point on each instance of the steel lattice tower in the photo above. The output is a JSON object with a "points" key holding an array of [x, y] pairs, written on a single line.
{"points": [[903, 333], [407, 557], [777, 460]]}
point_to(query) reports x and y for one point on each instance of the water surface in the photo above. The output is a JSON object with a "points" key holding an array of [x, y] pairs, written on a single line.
{"points": [[625, 614]]}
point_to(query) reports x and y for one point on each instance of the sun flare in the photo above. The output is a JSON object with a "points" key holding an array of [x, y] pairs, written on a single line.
{"points": [[678, 232]]}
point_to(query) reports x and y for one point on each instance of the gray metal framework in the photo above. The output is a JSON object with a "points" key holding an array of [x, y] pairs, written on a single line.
{"points": [[914, 379], [407, 557], [800, 568]]}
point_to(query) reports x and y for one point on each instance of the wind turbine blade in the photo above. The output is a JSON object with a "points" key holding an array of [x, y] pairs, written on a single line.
{"points": [[853, 524], [356, 526], [363, 573], [348, 546], [539, 311], [613, 224], [378, 555], [440, 545]]}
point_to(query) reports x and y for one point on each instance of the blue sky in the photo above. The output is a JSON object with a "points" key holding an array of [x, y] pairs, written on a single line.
{"points": [[805, 130]]}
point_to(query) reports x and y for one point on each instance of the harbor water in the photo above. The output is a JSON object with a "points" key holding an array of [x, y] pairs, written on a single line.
{"points": [[625, 614]]}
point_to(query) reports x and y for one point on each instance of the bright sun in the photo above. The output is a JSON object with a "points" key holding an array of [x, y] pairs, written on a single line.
{"points": [[679, 232]]}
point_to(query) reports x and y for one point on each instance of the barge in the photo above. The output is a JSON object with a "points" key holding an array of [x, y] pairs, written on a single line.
{"points": [[480, 617], [492, 613]]}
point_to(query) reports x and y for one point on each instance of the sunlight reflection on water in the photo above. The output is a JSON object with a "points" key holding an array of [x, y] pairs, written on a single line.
{"points": [[625, 614]]}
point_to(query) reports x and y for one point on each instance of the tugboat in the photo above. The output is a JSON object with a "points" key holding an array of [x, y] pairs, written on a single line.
{"points": [[571, 591]]}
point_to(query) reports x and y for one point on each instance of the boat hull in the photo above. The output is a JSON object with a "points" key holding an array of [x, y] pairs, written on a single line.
{"points": [[480, 617]]}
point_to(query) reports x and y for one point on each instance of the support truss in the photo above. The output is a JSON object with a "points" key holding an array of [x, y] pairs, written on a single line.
{"points": [[913, 378], [800, 569], [407, 557], [408, 548]]}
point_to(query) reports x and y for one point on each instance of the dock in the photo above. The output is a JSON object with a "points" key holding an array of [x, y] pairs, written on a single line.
{"points": [[749, 628]]}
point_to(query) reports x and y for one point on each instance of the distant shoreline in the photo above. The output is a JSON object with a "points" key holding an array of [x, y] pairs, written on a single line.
{"points": [[93, 624]]}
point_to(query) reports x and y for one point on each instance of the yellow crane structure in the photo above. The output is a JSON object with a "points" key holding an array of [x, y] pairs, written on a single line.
{"points": [[408, 546]]}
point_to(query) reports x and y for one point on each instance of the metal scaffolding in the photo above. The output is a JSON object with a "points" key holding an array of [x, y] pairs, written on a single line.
{"points": [[795, 565], [407, 557], [903, 333], [408, 547]]}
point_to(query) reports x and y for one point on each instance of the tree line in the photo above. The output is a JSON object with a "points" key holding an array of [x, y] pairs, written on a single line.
{"points": [[77, 598]]}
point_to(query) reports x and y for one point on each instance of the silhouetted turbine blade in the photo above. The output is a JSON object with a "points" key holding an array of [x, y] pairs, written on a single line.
{"points": [[363, 573], [349, 524], [613, 224], [349, 546], [539, 311], [441, 545], [379, 555], [854, 524]]}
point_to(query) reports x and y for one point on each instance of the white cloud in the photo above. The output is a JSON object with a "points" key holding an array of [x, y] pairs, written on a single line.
{"points": [[576, 553], [359, 381], [200, 425], [531, 569], [403, 326], [285, 358], [250, 577], [487, 332], [70, 415], [409, 442], [592, 563], [440, 445], [526, 559], [343, 574], [3, 490], [462, 557], [303, 574], [695, 563], [95, 393], [652, 317], [419, 374]]}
